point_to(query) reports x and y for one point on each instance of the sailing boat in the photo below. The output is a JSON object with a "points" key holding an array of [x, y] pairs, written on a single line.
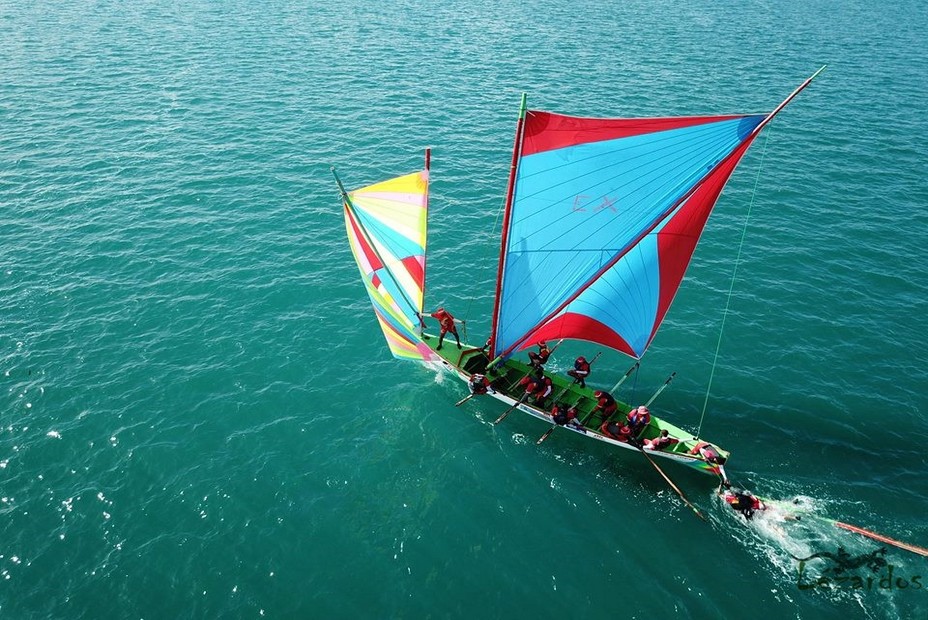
{"points": [[602, 216]]}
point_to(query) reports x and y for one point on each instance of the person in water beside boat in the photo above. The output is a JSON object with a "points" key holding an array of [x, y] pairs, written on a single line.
{"points": [[580, 371], [446, 321], [741, 500], [618, 431], [538, 359]]}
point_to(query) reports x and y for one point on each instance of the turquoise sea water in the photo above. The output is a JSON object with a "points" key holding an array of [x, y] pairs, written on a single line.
{"points": [[200, 418]]}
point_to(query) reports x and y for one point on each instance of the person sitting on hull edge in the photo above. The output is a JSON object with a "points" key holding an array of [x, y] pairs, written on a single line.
{"points": [[580, 371], [709, 452], [538, 359], [479, 384], [661, 442]]}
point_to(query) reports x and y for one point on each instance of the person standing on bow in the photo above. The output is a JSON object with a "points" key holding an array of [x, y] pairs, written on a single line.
{"points": [[446, 322], [538, 359], [580, 371]]}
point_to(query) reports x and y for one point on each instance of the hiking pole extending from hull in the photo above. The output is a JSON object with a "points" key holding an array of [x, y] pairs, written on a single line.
{"points": [[661, 388], [508, 411], [624, 377]]}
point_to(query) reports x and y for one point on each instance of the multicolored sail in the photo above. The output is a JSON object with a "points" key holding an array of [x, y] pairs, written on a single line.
{"points": [[386, 225], [603, 218]]}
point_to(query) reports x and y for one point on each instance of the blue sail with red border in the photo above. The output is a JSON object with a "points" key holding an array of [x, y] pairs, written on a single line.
{"points": [[604, 218]]}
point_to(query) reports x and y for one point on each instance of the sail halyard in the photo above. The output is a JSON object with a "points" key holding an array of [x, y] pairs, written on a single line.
{"points": [[510, 192]]}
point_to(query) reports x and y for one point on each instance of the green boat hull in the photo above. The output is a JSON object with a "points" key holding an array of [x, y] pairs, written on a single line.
{"points": [[469, 360]]}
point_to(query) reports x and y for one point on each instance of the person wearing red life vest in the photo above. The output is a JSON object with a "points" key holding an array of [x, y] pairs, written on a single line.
{"points": [[543, 388], [446, 321], [605, 403], [708, 452], [538, 359], [562, 415], [743, 501], [662, 442], [615, 430], [580, 372], [478, 384], [638, 419]]}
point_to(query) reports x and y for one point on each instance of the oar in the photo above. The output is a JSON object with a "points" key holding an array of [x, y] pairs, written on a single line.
{"points": [[627, 374], [505, 413], [863, 532], [881, 538], [557, 398], [464, 400], [670, 482]]}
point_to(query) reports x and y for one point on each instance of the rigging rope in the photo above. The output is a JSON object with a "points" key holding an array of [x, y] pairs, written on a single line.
{"points": [[731, 287]]}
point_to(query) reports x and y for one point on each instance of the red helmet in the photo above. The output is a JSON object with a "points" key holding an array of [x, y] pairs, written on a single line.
{"points": [[598, 393], [581, 359]]}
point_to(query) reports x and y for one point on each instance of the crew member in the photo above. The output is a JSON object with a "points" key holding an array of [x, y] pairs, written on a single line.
{"points": [[638, 419], [580, 372], [616, 431], [661, 442], [446, 322], [605, 403], [538, 359], [743, 501], [478, 384], [709, 452], [562, 415]]}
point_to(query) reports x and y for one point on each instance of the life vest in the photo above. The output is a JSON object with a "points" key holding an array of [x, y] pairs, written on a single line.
{"points": [[744, 503], [616, 431], [545, 386], [560, 414], [638, 418], [662, 442], [544, 353], [479, 384], [444, 319], [582, 368]]}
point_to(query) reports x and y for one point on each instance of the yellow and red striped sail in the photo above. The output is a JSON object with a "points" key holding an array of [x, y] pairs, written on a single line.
{"points": [[386, 224]]}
